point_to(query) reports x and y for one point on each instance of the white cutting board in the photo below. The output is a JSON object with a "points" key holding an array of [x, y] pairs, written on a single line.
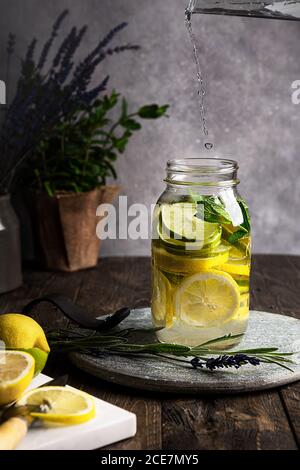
{"points": [[111, 424]]}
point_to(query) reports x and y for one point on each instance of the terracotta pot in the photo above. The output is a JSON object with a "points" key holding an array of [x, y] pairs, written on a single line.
{"points": [[66, 227]]}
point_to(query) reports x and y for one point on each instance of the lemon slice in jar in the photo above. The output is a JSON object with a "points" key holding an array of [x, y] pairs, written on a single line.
{"points": [[161, 299], [236, 267], [177, 263], [207, 299], [238, 262]]}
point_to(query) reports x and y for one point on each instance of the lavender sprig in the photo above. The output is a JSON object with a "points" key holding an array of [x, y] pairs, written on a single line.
{"points": [[199, 358], [30, 51], [44, 97], [48, 44]]}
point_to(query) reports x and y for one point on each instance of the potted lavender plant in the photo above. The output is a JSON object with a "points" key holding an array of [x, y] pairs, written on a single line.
{"points": [[60, 142]]}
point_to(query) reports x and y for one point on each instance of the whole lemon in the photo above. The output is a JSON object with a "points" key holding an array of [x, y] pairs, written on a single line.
{"points": [[21, 332]]}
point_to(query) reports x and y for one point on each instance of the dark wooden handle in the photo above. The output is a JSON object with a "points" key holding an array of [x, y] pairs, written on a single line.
{"points": [[12, 432]]}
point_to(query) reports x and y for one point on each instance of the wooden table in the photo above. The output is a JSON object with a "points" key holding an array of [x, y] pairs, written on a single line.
{"points": [[264, 420]]}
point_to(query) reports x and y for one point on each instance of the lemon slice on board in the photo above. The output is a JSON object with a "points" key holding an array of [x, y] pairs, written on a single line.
{"points": [[207, 299], [63, 405], [16, 373]]}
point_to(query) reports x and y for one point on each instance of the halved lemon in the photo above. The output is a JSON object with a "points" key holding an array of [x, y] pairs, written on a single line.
{"points": [[62, 404], [207, 299], [16, 373], [161, 299]]}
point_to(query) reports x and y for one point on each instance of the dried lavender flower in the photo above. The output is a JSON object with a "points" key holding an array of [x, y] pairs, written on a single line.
{"points": [[48, 44], [224, 361]]}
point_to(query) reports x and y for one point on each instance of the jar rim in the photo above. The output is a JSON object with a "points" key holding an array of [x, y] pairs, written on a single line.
{"points": [[219, 166]]}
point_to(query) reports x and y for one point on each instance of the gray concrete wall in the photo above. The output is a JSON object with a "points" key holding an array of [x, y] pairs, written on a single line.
{"points": [[249, 65]]}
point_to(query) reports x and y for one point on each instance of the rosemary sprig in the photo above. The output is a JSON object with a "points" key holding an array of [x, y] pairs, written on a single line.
{"points": [[199, 357]]}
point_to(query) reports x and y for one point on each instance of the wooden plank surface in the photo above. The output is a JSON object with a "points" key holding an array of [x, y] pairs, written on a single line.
{"points": [[248, 422], [266, 420]]}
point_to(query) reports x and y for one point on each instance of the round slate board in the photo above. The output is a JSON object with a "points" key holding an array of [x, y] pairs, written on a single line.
{"points": [[265, 329]]}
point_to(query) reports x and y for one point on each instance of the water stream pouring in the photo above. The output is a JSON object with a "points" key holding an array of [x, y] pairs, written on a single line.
{"points": [[276, 9]]}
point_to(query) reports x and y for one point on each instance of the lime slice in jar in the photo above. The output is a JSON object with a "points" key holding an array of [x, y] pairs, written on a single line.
{"points": [[179, 226]]}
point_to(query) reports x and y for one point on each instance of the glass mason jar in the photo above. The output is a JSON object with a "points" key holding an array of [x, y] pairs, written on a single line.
{"points": [[200, 254]]}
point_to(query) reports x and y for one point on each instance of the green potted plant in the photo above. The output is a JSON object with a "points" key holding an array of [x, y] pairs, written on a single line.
{"points": [[69, 173], [48, 142]]}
